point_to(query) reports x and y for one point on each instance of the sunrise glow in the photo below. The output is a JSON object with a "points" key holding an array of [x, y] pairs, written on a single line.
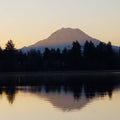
{"points": [[26, 22]]}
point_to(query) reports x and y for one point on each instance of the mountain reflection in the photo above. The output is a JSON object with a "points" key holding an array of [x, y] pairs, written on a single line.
{"points": [[64, 92]]}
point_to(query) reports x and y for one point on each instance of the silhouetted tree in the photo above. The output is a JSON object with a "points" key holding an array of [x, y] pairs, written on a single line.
{"points": [[21, 61], [110, 55], [58, 59], [10, 46], [46, 58], [10, 56], [100, 56], [65, 58], [34, 60], [75, 55], [89, 54], [89, 50], [1, 59]]}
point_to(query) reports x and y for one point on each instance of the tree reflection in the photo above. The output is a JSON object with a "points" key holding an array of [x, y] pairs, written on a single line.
{"points": [[10, 92], [88, 87]]}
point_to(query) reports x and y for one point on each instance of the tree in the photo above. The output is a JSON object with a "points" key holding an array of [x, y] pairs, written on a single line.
{"points": [[34, 60], [110, 55], [10, 56], [76, 54], [46, 59], [65, 58], [10, 46], [109, 48], [76, 49], [89, 54], [1, 59], [89, 50]]}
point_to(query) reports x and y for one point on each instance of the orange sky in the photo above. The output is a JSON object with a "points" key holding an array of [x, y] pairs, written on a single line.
{"points": [[26, 22]]}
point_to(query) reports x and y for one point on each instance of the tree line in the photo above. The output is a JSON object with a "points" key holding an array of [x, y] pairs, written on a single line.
{"points": [[88, 57]]}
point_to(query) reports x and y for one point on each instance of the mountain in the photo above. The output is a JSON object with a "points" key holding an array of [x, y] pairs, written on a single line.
{"points": [[65, 102], [62, 38], [62, 101]]}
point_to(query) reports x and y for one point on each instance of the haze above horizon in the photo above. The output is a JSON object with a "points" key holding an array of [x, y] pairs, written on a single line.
{"points": [[28, 21]]}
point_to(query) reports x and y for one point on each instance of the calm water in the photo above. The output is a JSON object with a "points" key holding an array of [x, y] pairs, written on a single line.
{"points": [[60, 97]]}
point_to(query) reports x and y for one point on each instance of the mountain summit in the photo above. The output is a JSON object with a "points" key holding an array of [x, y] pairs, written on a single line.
{"points": [[63, 38]]}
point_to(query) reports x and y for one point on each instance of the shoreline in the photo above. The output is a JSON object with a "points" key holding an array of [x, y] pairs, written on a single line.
{"points": [[63, 73]]}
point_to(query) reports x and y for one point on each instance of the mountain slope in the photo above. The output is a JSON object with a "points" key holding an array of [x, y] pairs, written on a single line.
{"points": [[62, 38]]}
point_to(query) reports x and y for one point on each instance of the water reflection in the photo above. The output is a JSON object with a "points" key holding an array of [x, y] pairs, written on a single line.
{"points": [[63, 92]]}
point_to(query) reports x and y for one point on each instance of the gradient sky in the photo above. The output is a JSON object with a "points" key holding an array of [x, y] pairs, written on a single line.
{"points": [[28, 21]]}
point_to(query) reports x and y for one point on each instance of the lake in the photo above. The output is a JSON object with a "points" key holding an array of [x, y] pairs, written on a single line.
{"points": [[60, 96]]}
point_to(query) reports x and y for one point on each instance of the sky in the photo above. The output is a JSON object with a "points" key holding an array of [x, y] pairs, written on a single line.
{"points": [[28, 21]]}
